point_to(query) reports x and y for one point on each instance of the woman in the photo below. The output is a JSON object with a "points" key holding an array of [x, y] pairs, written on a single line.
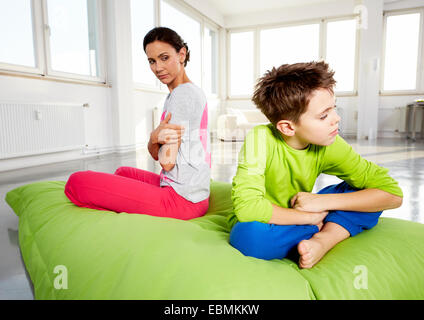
{"points": [[180, 143]]}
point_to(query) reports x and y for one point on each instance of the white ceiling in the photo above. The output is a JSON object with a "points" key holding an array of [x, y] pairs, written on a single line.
{"points": [[232, 7]]}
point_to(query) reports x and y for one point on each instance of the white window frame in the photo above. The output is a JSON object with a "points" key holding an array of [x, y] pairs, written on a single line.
{"points": [[42, 48], [255, 60], [216, 30], [323, 49], [256, 41], [157, 87], [37, 45], [286, 25], [101, 49], [204, 22], [420, 61]]}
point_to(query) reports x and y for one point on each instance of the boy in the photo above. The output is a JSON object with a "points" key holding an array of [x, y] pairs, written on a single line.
{"points": [[273, 208]]}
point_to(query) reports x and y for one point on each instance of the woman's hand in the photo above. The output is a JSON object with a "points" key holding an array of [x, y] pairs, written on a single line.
{"points": [[310, 202], [161, 135], [167, 133]]}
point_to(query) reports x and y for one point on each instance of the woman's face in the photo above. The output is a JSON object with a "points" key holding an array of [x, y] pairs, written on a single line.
{"points": [[165, 62]]}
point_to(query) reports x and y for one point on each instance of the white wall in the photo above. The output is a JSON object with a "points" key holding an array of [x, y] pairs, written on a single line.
{"points": [[208, 10], [98, 124]]}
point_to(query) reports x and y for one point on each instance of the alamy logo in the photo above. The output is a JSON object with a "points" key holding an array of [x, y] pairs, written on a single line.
{"points": [[61, 280], [361, 280]]}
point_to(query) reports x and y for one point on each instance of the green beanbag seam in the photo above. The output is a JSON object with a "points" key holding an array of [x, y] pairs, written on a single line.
{"points": [[26, 258]]}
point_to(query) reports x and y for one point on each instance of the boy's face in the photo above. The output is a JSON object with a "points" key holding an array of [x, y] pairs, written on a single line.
{"points": [[319, 124]]}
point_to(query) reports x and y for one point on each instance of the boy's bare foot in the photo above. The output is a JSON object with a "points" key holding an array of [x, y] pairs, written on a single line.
{"points": [[311, 251]]}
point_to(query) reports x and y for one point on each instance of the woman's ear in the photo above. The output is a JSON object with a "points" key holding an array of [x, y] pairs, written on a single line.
{"points": [[286, 127], [182, 54]]}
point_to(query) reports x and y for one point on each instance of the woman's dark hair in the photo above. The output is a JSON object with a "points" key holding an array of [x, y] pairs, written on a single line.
{"points": [[169, 36]]}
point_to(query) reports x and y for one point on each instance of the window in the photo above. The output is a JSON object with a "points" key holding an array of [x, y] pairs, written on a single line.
{"points": [[241, 63], [335, 41], [142, 21], [200, 35], [73, 36], [341, 52], [282, 45], [189, 29], [401, 51], [210, 63], [16, 33], [52, 38]]}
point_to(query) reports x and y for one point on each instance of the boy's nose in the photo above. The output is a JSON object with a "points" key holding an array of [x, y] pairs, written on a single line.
{"points": [[336, 118]]}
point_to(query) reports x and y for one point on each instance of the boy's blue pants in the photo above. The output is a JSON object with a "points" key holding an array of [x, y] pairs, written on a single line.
{"points": [[270, 241]]}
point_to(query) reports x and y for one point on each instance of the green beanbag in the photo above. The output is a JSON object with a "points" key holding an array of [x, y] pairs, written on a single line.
{"points": [[79, 253]]}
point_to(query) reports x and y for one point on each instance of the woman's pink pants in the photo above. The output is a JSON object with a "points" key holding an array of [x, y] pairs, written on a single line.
{"points": [[130, 190]]}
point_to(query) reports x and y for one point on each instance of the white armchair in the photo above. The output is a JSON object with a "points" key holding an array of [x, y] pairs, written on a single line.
{"points": [[234, 125]]}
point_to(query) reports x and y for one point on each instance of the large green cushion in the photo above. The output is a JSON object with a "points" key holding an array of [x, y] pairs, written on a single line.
{"points": [[133, 256]]}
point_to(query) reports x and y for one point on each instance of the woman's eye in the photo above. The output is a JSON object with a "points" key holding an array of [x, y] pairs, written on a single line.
{"points": [[164, 58], [323, 117]]}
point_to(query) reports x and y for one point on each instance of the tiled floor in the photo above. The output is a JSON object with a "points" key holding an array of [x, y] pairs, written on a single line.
{"points": [[404, 159]]}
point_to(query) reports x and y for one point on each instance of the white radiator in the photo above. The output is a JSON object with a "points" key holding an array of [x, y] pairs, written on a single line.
{"points": [[30, 129]]}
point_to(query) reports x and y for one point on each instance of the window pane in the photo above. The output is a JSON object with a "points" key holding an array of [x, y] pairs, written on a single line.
{"points": [[341, 44], [189, 30], [73, 36], [142, 21], [210, 66], [401, 52], [282, 45], [16, 34], [241, 63]]}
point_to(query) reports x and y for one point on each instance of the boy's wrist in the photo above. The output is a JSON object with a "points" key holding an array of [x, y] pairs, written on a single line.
{"points": [[289, 216], [312, 202]]}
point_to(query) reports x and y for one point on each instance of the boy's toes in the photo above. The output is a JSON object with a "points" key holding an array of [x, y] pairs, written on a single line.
{"points": [[304, 248]]}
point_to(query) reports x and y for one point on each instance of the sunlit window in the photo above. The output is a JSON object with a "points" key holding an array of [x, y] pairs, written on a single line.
{"points": [[340, 53], [142, 21], [242, 63], [401, 52], [288, 45], [189, 29], [73, 30], [16, 33]]}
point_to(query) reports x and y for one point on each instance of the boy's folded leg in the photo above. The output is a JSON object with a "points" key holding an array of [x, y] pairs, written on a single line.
{"points": [[268, 241], [353, 221]]}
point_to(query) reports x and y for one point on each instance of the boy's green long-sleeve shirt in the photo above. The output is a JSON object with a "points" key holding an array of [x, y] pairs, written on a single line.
{"points": [[270, 171]]}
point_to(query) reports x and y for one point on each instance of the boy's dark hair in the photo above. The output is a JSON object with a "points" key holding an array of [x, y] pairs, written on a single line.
{"points": [[284, 93], [169, 36]]}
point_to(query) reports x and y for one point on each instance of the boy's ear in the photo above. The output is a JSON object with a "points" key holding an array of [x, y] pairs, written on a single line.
{"points": [[286, 127]]}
